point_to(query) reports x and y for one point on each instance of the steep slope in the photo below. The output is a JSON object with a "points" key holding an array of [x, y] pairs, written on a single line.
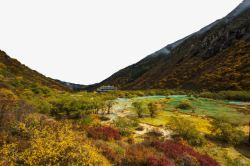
{"points": [[16, 76], [215, 58]]}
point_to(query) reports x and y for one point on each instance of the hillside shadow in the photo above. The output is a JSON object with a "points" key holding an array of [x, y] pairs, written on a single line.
{"points": [[244, 149]]}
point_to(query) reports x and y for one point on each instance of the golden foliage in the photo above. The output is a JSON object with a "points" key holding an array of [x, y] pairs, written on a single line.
{"points": [[49, 143]]}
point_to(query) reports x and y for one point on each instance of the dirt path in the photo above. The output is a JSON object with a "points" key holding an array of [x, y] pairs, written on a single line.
{"points": [[148, 128]]}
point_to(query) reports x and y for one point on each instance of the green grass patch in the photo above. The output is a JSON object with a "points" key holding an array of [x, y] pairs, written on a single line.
{"points": [[216, 109]]}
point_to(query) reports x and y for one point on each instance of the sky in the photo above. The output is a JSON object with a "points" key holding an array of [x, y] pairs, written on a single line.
{"points": [[86, 41]]}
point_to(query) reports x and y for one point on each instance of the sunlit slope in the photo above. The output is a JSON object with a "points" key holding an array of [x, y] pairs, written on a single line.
{"points": [[14, 75]]}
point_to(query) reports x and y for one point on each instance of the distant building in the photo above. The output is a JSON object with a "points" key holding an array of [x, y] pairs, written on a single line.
{"points": [[106, 88]]}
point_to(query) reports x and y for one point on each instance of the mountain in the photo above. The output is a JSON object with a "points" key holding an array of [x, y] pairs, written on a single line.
{"points": [[16, 76], [73, 86], [215, 58]]}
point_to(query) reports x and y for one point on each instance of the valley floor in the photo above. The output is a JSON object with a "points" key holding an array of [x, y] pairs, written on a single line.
{"points": [[122, 128], [205, 111]]}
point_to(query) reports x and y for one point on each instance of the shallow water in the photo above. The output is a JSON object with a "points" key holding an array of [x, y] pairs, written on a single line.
{"points": [[150, 97], [219, 109], [162, 97], [238, 102]]}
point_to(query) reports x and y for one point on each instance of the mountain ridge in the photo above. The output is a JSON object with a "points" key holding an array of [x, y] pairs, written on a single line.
{"points": [[244, 5], [154, 71]]}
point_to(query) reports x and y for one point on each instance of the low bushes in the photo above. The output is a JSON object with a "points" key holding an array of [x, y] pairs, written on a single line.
{"points": [[125, 125], [104, 133], [176, 150], [185, 129], [184, 105], [167, 153], [186, 160], [159, 161], [139, 108], [228, 95], [227, 133], [139, 154], [111, 151], [153, 109], [123, 122], [89, 120], [41, 141], [77, 106], [155, 133]]}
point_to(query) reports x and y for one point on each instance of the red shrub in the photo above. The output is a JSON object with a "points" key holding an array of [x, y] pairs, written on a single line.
{"points": [[174, 150], [187, 160], [111, 153], [163, 161], [138, 154], [108, 153], [104, 133]]}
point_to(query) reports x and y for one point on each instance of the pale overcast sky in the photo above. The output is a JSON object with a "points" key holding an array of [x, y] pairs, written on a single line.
{"points": [[86, 41]]}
